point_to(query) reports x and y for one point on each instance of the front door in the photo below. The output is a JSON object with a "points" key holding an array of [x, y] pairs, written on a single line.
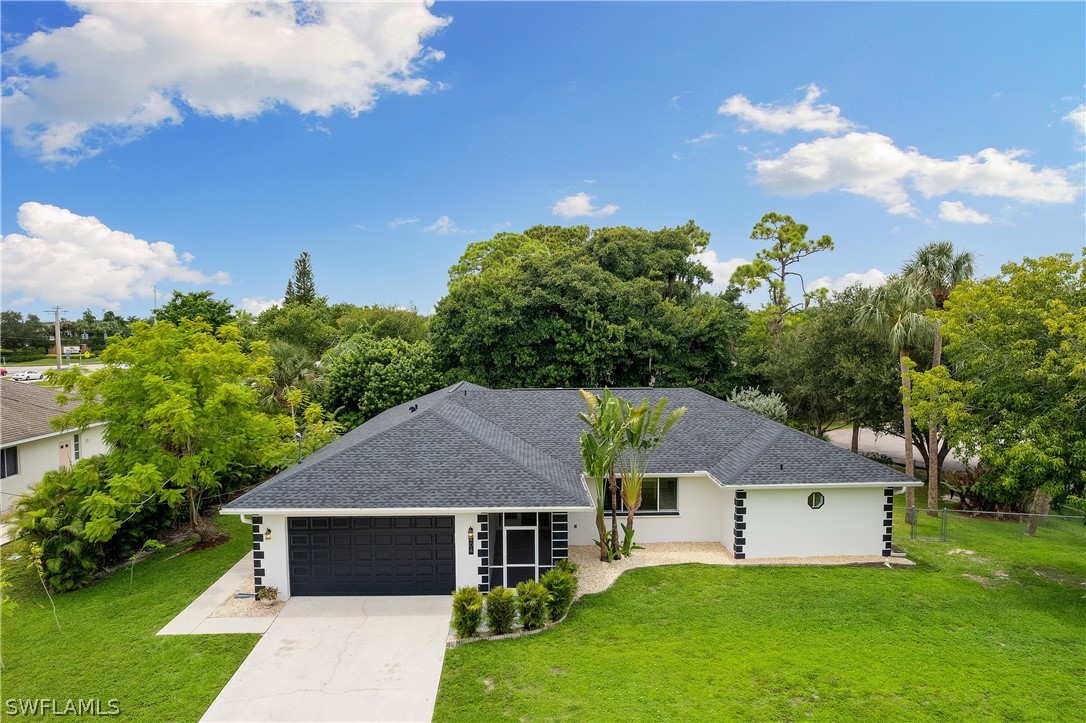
{"points": [[521, 555]]}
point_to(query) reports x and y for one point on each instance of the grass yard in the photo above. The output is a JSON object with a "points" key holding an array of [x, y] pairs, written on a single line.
{"points": [[695, 642], [108, 648]]}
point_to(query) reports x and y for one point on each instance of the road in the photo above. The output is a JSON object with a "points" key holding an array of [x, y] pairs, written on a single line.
{"points": [[888, 444]]}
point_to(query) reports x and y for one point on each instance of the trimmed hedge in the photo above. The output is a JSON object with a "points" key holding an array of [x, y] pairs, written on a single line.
{"points": [[467, 611]]}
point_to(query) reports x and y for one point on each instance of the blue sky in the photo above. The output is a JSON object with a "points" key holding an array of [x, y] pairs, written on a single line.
{"points": [[192, 147]]}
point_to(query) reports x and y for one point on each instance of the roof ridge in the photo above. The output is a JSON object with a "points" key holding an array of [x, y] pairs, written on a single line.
{"points": [[755, 450], [500, 433]]}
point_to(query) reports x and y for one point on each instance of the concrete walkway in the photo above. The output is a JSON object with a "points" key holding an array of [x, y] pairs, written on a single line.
{"points": [[342, 659], [196, 620]]}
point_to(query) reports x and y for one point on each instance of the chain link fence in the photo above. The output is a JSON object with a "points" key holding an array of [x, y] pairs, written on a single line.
{"points": [[946, 525]]}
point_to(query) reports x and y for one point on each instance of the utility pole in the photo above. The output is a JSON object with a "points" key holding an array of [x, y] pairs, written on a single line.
{"points": [[56, 333]]}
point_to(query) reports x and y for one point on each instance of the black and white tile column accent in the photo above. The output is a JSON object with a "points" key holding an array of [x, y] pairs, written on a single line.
{"points": [[258, 554], [740, 530], [559, 536], [888, 522], [482, 540]]}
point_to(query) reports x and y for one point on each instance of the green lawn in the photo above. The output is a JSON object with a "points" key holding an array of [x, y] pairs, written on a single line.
{"points": [[696, 642], [108, 648]]}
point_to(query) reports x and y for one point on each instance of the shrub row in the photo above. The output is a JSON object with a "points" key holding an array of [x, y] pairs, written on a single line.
{"points": [[532, 605]]}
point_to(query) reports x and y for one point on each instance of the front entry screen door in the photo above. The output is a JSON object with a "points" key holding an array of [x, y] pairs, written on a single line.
{"points": [[520, 555]]}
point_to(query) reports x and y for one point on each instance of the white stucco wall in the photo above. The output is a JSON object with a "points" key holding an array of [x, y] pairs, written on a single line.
{"points": [[276, 561], [704, 516], [781, 524], [38, 456], [467, 565]]}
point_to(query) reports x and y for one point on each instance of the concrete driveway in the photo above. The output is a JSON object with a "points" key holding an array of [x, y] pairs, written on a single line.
{"points": [[342, 659]]}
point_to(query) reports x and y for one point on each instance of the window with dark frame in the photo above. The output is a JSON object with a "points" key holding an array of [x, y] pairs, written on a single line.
{"points": [[9, 462], [815, 500], [658, 494], [75, 447]]}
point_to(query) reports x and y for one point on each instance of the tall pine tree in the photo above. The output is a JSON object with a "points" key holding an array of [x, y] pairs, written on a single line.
{"points": [[301, 288]]}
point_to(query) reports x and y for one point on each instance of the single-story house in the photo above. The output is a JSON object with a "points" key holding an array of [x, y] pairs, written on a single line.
{"points": [[29, 446], [470, 486]]}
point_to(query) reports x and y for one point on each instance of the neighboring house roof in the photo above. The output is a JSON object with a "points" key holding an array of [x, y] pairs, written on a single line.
{"points": [[25, 411], [469, 447]]}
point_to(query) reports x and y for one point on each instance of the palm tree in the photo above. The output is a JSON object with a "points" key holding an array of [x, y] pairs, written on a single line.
{"points": [[896, 310], [938, 269]]}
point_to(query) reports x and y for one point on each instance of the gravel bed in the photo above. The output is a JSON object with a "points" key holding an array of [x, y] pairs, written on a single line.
{"points": [[246, 607], [595, 576]]}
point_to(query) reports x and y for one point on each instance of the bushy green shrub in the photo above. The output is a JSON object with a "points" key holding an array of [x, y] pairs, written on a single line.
{"points": [[562, 586], [532, 603], [568, 565], [467, 611], [500, 610], [54, 514]]}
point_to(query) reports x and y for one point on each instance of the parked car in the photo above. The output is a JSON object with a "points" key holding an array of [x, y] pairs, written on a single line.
{"points": [[28, 376], [3, 372]]}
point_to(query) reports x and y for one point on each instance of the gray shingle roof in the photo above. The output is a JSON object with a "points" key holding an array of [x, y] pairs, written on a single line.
{"points": [[25, 411], [467, 446]]}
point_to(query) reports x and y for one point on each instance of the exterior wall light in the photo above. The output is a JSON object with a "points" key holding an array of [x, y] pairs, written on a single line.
{"points": [[471, 540], [267, 533]]}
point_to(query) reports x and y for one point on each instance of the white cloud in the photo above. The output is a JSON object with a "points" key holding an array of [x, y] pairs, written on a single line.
{"points": [[722, 270], [397, 222], [866, 164], [257, 304], [993, 173], [958, 212], [703, 137], [1077, 118], [869, 278], [590, 181], [65, 258], [442, 226], [872, 166], [803, 115], [126, 68], [580, 204]]}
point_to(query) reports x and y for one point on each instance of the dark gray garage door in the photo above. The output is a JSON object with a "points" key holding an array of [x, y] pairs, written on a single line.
{"points": [[372, 556]]}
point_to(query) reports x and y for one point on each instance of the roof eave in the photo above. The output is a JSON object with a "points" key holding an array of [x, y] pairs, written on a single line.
{"points": [[388, 511]]}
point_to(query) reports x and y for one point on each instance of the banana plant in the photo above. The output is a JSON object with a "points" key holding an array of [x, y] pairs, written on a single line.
{"points": [[644, 431], [600, 446]]}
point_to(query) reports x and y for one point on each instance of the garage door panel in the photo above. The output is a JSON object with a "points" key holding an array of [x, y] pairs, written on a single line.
{"points": [[372, 555]]}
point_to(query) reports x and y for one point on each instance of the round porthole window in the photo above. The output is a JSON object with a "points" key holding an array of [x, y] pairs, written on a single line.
{"points": [[815, 500]]}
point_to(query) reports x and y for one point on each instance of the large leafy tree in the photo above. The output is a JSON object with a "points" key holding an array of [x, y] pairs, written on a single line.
{"points": [[1018, 348], [195, 306], [308, 326], [775, 264], [365, 376], [571, 307], [381, 321], [828, 370], [897, 310], [180, 403], [937, 267]]}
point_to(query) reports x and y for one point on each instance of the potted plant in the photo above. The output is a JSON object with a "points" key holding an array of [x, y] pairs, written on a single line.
{"points": [[267, 595]]}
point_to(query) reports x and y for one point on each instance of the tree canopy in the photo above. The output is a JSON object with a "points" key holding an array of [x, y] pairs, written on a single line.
{"points": [[196, 306], [1017, 400], [180, 417], [365, 376], [773, 265], [557, 306]]}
